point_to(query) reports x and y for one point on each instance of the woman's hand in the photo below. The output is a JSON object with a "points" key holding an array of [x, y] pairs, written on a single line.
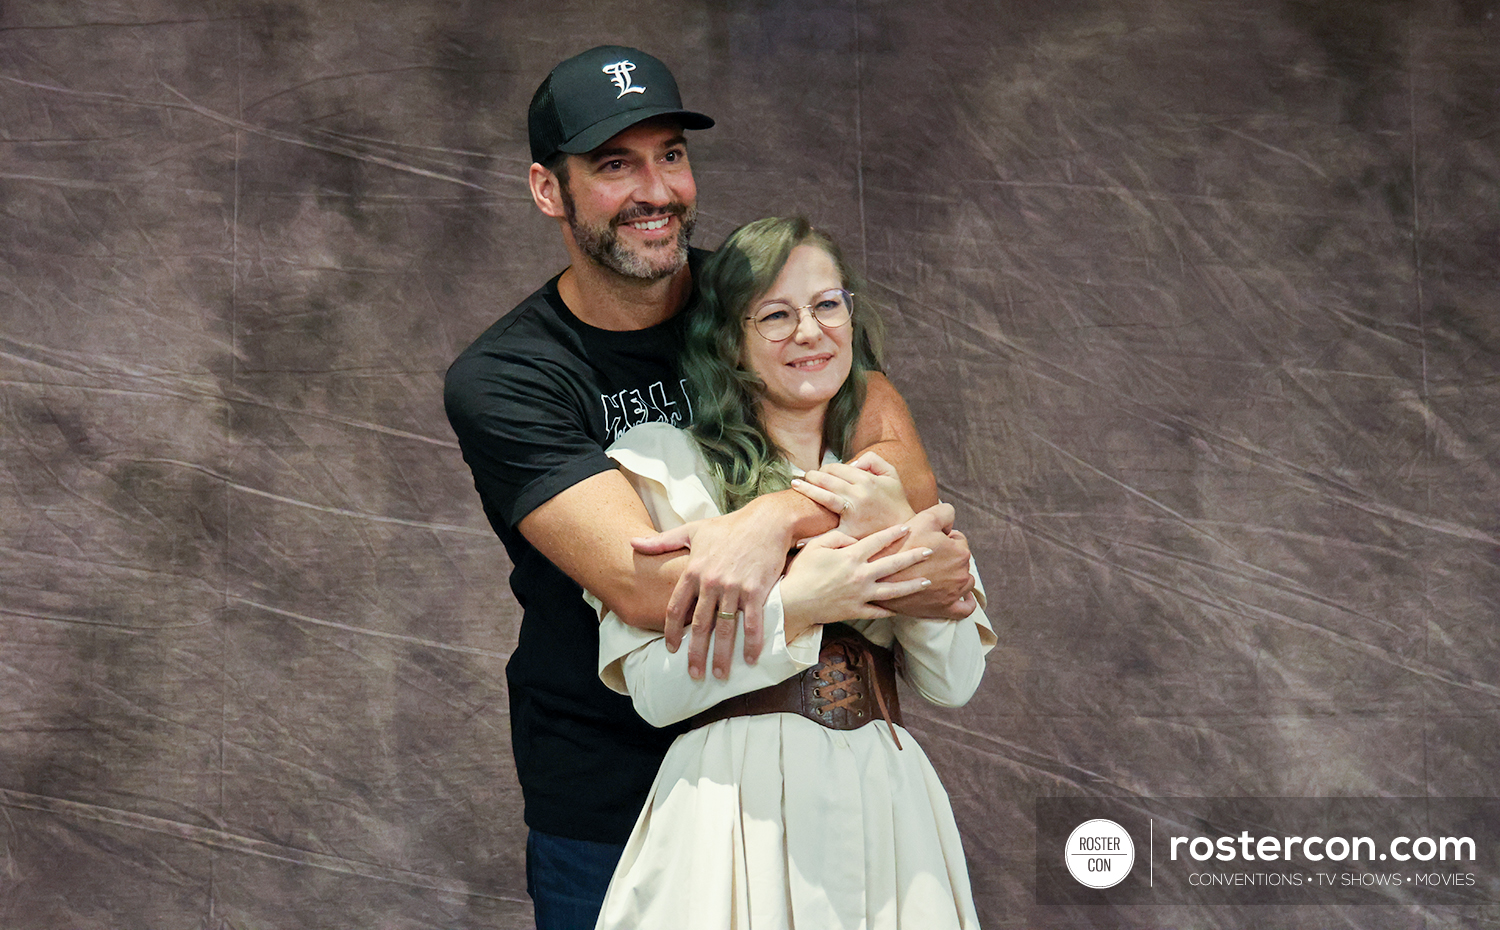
{"points": [[865, 493], [836, 578]]}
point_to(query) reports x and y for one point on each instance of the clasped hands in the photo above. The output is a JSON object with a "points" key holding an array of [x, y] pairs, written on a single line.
{"points": [[881, 559]]}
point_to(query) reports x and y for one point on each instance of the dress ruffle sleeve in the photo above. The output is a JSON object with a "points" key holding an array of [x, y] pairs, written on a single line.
{"points": [[944, 659], [665, 469]]}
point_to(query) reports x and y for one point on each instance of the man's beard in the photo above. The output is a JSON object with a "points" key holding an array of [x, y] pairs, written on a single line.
{"points": [[657, 261]]}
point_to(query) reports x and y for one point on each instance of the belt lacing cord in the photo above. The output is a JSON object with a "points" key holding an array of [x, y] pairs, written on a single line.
{"points": [[847, 661]]}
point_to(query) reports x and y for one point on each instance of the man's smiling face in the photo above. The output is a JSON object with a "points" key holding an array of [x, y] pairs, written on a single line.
{"points": [[631, 203]]}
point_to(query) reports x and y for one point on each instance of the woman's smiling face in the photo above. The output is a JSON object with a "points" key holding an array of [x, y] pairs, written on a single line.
{"points": [[807, 368]]}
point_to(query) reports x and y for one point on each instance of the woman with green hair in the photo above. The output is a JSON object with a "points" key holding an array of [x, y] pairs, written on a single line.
{"points": [[794, 798]]}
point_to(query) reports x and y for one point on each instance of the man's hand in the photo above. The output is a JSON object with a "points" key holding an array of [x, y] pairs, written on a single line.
{"points": [[736, 560], [950, 596]]}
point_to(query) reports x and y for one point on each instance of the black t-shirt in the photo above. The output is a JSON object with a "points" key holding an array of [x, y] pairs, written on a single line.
{"points": [[534, 401]]}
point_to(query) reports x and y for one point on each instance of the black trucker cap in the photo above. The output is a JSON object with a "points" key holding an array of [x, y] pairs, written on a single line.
{"points": [[597, 93]]}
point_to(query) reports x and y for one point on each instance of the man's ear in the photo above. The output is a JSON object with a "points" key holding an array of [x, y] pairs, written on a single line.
{"points": [[546, 191]]}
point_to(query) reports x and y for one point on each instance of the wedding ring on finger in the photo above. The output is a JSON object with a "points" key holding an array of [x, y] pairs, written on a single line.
{"points": [[728, 614], [845, 507]]}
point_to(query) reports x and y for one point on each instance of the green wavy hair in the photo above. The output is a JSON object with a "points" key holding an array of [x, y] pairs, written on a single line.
{"points": [[726, 395]]}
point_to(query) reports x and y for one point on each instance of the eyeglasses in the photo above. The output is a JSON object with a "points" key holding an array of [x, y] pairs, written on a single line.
{"points": [[777, 320]]}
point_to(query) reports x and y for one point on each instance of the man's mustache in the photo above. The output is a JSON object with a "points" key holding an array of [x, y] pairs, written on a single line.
{"points": [[676, 208]]}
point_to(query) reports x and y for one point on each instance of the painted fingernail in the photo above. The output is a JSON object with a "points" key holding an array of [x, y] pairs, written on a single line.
{"points": [[926, 553], [926, 582]]}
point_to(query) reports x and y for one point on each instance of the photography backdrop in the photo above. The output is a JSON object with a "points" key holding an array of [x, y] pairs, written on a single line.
{"points": [[1194, 301]]}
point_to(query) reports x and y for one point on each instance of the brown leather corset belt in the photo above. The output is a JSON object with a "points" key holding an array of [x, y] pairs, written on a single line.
{"points": [[853, 683]]}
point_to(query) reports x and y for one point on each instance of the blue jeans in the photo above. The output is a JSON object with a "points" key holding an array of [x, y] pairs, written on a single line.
{"points": [[567, 879]]}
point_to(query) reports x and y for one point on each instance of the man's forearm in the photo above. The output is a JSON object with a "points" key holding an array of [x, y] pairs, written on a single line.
{"points": [[586, 530], [802, 518], [642, 601], [770, 525], [886, 428], [910, 462]]}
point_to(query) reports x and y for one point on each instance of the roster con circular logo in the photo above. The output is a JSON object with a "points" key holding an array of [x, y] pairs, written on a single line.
{"points": [[1099, 853]]}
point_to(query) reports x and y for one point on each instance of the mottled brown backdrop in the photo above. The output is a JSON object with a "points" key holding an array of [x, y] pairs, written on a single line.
{"points": [[1195, 302]]}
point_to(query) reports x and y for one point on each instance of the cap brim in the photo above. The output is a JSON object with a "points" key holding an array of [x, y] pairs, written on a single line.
{"points": [[606, 129]]}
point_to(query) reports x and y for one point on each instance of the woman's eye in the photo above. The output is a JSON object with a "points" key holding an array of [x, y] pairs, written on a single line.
{"points": [[771, 316]]}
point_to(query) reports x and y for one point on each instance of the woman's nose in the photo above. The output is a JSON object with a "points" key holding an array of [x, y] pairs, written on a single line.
{"points": [[808, 327]]}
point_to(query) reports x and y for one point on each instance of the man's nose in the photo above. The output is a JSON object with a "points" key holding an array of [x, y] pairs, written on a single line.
{"points": [[653, 187]]}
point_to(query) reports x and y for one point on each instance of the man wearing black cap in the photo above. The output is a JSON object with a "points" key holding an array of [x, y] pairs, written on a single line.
{"points": [[534, 402]]}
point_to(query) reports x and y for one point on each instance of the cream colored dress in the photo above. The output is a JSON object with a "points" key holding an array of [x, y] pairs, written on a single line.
{"points": [[774, 821]]}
